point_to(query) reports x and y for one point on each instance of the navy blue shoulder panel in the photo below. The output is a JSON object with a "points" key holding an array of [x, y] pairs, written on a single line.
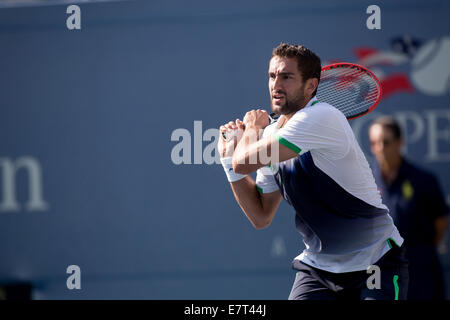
{"points": [[313, 193], [330, 219]]}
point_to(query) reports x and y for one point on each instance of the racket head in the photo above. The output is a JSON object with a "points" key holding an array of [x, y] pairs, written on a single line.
{"points": [[349, 87]]}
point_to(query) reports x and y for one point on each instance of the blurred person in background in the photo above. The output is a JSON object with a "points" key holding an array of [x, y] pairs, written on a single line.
{"points": [[416, 204]]}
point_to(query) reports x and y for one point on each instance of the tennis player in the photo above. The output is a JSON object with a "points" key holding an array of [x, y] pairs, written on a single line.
{"points": [[310, 157]]}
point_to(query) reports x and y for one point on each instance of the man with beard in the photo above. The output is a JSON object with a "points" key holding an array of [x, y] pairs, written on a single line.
{"points": [[311, 158]]}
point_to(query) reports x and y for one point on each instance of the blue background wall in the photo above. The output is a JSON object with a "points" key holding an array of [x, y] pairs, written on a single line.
{"points": [[95, 110]]}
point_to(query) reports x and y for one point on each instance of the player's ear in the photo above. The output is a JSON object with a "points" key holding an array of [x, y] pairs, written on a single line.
{"points": [[311, 85]]}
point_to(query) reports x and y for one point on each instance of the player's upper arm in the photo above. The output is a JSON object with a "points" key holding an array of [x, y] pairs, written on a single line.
{"points": [[270, 203], [320, 128], [265, 151]]}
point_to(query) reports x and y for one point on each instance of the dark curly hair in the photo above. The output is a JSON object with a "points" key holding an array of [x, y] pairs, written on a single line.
{"points": [[308, 62]]}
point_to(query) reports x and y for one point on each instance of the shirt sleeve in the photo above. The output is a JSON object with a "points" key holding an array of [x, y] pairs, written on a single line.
{"points": [[319, 127], [265, 181]]}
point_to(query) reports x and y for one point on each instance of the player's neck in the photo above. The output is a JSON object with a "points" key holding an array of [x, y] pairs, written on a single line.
{"points": [[290, 115]]}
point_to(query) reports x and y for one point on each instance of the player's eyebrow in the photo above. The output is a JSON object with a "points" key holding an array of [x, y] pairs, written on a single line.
{"points": [[282, 73]]}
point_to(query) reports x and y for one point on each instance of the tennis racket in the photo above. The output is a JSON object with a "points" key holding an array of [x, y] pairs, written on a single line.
{"points": [[351, 88]]}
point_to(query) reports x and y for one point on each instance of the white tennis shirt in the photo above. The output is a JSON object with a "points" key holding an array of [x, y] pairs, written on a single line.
{"points": [[339, 211]]}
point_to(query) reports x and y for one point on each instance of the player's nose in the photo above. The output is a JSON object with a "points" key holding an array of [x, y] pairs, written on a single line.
{"points": [[277, 83]]}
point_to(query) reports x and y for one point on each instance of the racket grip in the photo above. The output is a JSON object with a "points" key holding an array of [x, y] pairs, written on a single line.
{"points": [[227, 136]]}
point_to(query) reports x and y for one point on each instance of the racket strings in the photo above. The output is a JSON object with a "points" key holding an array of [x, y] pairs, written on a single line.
{"points": [[348, 89], [360, 91]]}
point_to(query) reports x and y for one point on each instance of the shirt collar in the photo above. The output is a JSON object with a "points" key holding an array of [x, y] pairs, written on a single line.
{"points": [[312, 102]]}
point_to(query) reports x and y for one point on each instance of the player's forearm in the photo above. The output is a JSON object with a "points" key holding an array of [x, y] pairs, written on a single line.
{"points": [[246, 155], [250, 202]]}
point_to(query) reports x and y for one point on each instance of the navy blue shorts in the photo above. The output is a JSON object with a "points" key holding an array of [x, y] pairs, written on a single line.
{"points": [[315, 284]]}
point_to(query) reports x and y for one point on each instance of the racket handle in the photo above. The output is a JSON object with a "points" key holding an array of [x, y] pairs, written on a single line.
{"points": [[229, 135], [273, 117]]}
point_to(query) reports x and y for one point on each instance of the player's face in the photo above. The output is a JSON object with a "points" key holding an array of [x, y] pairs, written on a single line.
{"points": [[286, 86], [384, 146]]}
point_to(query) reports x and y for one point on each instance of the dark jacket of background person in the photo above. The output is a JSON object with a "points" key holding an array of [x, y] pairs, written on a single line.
{"points": [[417, 205]]}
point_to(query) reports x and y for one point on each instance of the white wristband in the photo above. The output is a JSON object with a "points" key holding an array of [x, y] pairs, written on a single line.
{"points": [[227, 164]]}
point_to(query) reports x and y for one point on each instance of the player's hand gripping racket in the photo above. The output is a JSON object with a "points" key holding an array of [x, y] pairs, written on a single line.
{"points": [[351, 88]]}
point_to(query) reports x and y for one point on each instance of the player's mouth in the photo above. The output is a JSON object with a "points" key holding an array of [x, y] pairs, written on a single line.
{"points": [[277, 98]]}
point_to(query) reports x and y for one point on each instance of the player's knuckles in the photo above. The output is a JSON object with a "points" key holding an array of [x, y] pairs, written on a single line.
{"points": [[250, 115], [230, 126]]}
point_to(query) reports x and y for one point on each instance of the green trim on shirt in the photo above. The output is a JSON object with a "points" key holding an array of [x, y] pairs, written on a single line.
{"points": [[391, 241], [286, 143]]}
